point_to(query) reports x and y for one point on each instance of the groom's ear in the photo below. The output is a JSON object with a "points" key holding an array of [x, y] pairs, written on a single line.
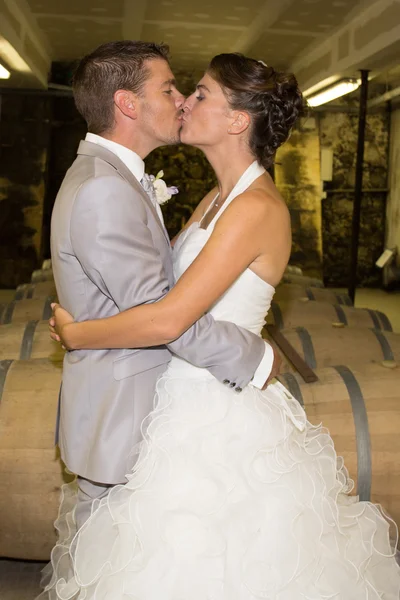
{"points": [[125, 101], [240, 122]]}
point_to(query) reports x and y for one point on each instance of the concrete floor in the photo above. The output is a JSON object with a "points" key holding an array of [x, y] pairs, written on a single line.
{"points": [[19, 580]]}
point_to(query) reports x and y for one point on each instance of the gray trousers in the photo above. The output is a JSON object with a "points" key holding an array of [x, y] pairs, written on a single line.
{"points": [[88, 491]]}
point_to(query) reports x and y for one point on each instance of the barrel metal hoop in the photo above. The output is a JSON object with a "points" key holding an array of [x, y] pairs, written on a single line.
{"points": [[363, 441], [384, 344], [310, 294], [4, 367], [293, 386], [30, 292], [374, 318], [27, 340], [384, 320], [8, 313], [20, 292], [277, 314], [47, 311], [344, 299], [307, 345], [340, 314]]}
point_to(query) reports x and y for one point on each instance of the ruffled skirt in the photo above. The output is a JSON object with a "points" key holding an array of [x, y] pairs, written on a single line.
{"points": [[233, 497]]}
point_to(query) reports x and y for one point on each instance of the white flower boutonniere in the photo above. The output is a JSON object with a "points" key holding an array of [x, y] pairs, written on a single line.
{"points": [[163, 192]]}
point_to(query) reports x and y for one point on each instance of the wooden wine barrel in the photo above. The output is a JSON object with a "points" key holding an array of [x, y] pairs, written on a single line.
{"points": [[21, 311], [329, 346], [297, 313], [302, 280], [29, 340], [31, 474], [36, 290], [42, 275], [294, 291], [360, 406], [293, 269]]}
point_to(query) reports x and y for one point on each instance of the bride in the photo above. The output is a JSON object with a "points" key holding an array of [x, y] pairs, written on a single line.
{"points": [[233, 496]]}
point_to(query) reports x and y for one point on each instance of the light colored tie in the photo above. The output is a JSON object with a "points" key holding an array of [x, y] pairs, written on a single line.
{"points": [[148, 187]]}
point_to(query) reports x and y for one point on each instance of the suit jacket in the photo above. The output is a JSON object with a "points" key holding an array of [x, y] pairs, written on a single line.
{"points": [[110, 252]]}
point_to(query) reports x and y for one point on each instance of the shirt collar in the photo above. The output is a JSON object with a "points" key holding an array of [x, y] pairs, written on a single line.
{"points": [[132, 160]]}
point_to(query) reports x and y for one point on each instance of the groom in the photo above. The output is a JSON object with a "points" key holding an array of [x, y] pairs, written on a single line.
{"points": [[110, 251]]}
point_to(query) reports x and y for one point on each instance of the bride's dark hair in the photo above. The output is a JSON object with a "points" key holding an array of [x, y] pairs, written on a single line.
{"points": [[272, 99]]}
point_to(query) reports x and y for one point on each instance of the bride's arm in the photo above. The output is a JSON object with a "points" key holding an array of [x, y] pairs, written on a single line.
{"points": [[250, 226]]}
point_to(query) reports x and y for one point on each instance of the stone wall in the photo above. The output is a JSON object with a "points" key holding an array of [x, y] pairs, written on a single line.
{"points": [[393, 199], [40, 136], [298, 178], [67, 129], [339, 131], [24, 136]]}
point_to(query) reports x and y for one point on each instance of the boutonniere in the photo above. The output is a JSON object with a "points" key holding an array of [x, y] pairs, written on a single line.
{"points": [[163, 192]]}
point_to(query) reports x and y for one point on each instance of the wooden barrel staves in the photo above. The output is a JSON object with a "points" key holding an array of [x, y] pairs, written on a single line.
{"points": [[294, 291], [31, 474], [302, 280], [21, 311], [28, 340], [35, 290], [360, 406], [325, 346], [296, 313]]}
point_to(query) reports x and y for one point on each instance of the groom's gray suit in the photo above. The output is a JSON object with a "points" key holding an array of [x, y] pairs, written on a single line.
{"points": [[111, 252]]}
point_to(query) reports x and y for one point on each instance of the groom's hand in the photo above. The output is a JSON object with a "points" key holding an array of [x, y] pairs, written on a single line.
{"points": [[276, 366], [57, 323]]}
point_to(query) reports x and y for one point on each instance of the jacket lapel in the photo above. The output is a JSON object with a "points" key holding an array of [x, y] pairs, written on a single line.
{"points": [[97, 151]]}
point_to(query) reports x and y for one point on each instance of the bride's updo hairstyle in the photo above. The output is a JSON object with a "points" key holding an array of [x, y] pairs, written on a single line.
{"points": [[272, 99]]}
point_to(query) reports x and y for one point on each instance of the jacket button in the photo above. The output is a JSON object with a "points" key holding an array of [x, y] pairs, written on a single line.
{"points": [[232, 384], [238, 389], [226, 381]]}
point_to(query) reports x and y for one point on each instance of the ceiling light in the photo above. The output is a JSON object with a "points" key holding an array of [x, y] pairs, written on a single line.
{"points": [[12, 58], [338, 89], [4, 74]]}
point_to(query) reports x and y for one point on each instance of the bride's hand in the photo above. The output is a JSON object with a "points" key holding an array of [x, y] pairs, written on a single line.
{"points": [[57, 324]]}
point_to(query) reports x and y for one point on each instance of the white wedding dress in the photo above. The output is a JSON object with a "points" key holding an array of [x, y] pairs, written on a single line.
{"points": [[234, 496]]}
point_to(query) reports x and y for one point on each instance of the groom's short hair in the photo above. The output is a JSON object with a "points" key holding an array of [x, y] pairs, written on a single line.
{"points": [[112, 66]]}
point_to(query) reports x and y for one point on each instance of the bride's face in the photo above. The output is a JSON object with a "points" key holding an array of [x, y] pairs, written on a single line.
{"points": [[206, 115]]}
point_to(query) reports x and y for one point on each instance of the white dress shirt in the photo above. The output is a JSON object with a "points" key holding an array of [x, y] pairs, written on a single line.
{"points": [[137, 167]]}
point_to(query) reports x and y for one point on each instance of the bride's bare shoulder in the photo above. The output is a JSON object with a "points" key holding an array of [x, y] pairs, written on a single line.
{"points": [[263, 202]]}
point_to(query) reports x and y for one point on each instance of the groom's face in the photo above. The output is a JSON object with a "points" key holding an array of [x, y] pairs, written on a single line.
{"points": [[160, 105]]}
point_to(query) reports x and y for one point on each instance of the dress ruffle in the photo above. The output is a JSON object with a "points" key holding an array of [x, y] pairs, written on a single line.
{"points": [[233, 497]]}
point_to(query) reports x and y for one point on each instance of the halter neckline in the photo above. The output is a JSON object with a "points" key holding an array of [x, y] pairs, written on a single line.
{"points": [[253, 172]]}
